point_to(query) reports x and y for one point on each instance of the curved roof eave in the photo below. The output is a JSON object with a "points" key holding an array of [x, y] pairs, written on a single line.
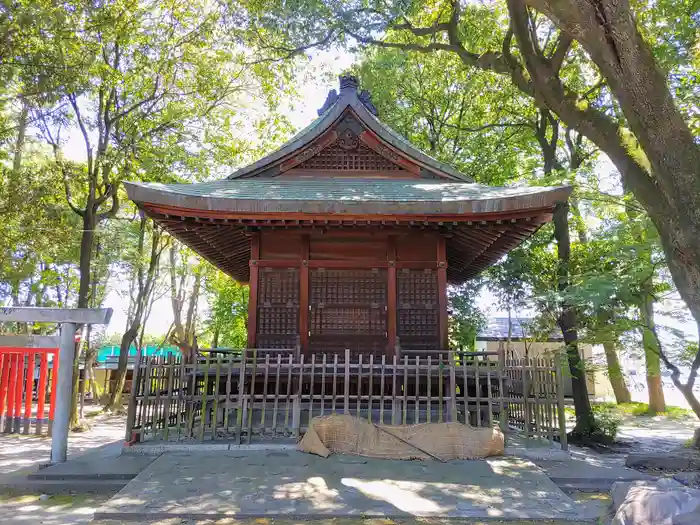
{"points": [[349, 99], [407, 198]]}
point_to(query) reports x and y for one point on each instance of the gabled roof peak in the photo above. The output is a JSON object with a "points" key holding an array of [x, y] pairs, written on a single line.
{"points": [[348, 88]]}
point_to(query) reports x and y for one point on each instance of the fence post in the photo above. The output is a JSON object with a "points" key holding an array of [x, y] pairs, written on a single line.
{"points": [[453, 387], [502, 416], [346, 386], [64, 386], [131, 411], [526, 394], [560, 400]]}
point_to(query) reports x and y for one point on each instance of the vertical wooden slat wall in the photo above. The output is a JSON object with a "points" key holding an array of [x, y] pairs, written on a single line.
{"points": [[267, 393], [27, 389]]}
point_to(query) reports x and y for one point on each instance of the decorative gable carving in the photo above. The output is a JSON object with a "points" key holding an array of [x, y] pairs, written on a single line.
{"points": [[348, 153]]}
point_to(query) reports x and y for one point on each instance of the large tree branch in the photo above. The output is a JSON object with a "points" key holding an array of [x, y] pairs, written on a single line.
{"points": [[560, 52], [112, 212], [598, 127], [421, 31], [83, 130], [490, 126]]}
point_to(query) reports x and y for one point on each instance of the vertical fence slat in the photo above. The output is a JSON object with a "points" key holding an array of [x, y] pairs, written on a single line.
{"points": [[241, 392], [452, 386], [526, 395], [404, 407], [371, 387], [323, 385], [441, 399], [465, 386], [502, 416], [251, 397], [296, 416], [264, 399], [181, 395], [346, 386], [381, 391], [416, 417], [394, 405], [359, 386], [560, 401], [429, 380], [227, 406], [203, 398], [489, 389], [215, 400], [311, 387], [169, 398], [335, 376], [275, 406], [477, 390], [287, 429], [146, 394]]}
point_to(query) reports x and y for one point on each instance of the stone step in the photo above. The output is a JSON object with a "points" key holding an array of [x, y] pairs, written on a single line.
{"points": [[62, 486]]}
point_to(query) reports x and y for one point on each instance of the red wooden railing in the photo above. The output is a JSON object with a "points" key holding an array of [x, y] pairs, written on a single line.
{"points": [[18, 409]]}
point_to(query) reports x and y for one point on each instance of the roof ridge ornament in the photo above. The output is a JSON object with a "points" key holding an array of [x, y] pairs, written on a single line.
{"points": [[348, 84]]}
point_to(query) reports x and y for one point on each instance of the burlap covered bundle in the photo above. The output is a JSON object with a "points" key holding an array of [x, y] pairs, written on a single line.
{"points": [[345, 434]]}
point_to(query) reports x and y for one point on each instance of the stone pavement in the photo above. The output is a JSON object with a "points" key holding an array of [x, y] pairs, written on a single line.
{"points": [[23, 453], [293, 484]]}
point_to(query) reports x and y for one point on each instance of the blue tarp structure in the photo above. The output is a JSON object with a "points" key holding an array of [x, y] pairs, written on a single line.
{"points": [[110, 353]]}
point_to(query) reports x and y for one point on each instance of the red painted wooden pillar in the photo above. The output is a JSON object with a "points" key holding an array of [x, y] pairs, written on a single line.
{"points": [[52, 396], [12, 390], [442, 293], [5, 361], [253, 290], [391, 297], [304, 296], [41, 388], [28, 389]]}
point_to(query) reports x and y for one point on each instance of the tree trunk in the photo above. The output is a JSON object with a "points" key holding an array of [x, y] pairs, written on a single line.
{"points": [[607, 31], [115, 397], [657, 402], [215, 338], [21, 137], [585, 421], [87, 243], [615, 375]]}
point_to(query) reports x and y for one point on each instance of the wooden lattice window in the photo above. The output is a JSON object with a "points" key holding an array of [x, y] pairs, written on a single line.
{"points": [[348, 310], [417, 317], [335, 157], [278, 308]]}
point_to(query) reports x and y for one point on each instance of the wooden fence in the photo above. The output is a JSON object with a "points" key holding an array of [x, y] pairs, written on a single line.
{"points": [[249, 395]]}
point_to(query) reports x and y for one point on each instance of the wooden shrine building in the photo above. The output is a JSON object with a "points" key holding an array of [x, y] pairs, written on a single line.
{"points": [[347, 234]]}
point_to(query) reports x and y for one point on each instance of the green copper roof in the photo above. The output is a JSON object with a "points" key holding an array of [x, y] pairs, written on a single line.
{"points": [[332, 195]]}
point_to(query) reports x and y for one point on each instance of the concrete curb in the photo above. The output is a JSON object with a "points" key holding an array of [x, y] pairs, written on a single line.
{"points": [[157, 450], [196, 516], [62, 486], [533, 454]]}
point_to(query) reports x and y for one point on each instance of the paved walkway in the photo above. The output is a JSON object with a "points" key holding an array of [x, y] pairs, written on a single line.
{"points": [[278, 484], [22, 452]]}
